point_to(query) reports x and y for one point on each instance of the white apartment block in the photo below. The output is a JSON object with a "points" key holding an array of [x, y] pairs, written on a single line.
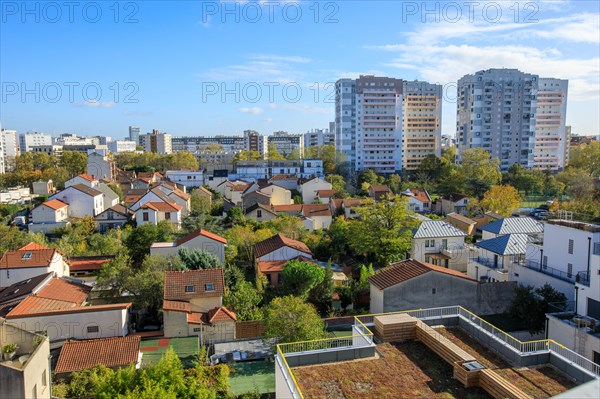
{"points": [[157, 142], [381, 120], [2, 161], [551, 139], [75, 140], [518, 117], [31, 139], [286, 143], [9, 148], [198, 144], [319, 137], [118, 146]]}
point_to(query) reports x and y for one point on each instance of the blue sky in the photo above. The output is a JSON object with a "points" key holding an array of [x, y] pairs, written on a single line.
{"points": [[218, 67]]}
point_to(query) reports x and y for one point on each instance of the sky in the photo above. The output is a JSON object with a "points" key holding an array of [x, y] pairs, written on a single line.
{"points": [[220, 67]]}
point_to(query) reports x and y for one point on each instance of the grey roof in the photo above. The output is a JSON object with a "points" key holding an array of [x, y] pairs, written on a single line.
{"points": [[110, 194], [437, 228], [509, 244], [92, 192], [514, 225]]}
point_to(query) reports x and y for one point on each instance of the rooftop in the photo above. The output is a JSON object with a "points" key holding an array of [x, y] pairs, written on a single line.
{"points": [[189, 284], [437, 228], [508, 244], [517, 225], [402, 271], [279, 241], [110, 352]]}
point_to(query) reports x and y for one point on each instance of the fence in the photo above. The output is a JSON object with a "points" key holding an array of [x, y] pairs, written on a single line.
{"points": [[249, 329]]}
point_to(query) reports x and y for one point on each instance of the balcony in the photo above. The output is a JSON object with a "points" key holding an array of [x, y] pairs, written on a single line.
{"points": [[583, 278], [549, 271]]}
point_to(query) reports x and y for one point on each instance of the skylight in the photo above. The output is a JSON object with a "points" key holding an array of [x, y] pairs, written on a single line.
{"points": [[27, 255]]}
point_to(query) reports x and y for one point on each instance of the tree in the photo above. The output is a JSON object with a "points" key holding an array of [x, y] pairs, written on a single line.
{"points": [[234, 217], [198, 259], [394, 182], [289, 226], [370, 177], [294, 155], [196, 220], [327, 153], [530, 305], [181, 160], [200, 201], [337, 182], [244, 299], [383, 230], [524, 179], [501, 199], [114, 275], [290, 319], [273, 153], [74, 162], [241, 239], [586, 157], [301, 277], [244, 155], [479, 171], [139, 239], [321, 294]]}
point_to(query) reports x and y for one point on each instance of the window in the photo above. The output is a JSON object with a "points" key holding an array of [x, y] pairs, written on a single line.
{"points": [[145, 217], [189, 288], [93, 329], [27, 255], [569, 269], [45, 379], [571, 243], [259, 213], [167, 215], [545, 262], [198, 329], [209, 287], [433, 291]]}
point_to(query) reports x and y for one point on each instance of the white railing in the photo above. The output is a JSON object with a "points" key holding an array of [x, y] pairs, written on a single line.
{"points": [[573, 357], [288, 376]]}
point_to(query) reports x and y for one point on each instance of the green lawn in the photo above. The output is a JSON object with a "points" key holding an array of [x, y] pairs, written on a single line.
{"points": [[153, 349], [250, 376]]}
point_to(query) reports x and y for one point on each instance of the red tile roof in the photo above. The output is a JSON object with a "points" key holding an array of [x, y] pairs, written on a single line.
{"points": [[380, 188], [54, 204], [279, 241], [421, 195], [88, 263], [36, 257], [132, 199], [196, 318], [325, 193], [309, 210], [220, 314], [161, 206], [64, 290], [240, 187], [176, 281], [203, 233], [283, 177], [87, 177], [408, 269], [32, 246], [62, 310], [288, 208], [110, 352]]}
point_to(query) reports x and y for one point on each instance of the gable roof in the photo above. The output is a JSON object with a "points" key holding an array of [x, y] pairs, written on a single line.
{"points": [[437, 228], [176, 281], [88, 263], [109, 352], [420, 194], [460, 218], [161, 206], [203, 233], [220, 314], [119, 209], [54, 204], [262, 207], [325, 193], [92, 192], [180, 194], [87, 177], [380, 188], [279, 241], [37, 257], [287, 208], [32, 246], [21, 288], [508, 244], [309, 210], [205, 191], [160, 194], [269, 266], [408, 269], [514, 225]]}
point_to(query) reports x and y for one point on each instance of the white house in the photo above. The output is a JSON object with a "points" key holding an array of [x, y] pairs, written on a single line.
{"points": [[496, 257], [113, 217], [452, 203], [310, 189], [187, 178], [154, 195], [418, 199], [30, 261], [82, 200], [49, 216], [43, 187], [440, 243], [85, 179], [100, 166], [202, 240], [513, 225], [155, 212], [260, 213], [109, 197], [320, 216]]}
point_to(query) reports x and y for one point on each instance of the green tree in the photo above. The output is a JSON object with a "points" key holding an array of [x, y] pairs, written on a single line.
{"points": [[337, 182], [383, 230], [197, 259], [242, 239], [244, 299], [394, 182], [234, 217], [74, 162], [289, 226], [200, 201], [273, 153], [501, 199], [479, 171], [290, 319], [139, 239], [301, 277], [530, 305], [181, 160], [586, 157], [244, 155], [114, 276], [321, 294]]}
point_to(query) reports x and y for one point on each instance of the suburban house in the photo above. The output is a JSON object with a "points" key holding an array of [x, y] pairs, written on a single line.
{"points": [[43, 187], [182, 199], [325, 196], [85, 179], [418, 199], [82, 200], [109, 197], [452, 203], [440, 243], [49, 216], [114, 217], [496, 257], [379, 191], [273, 269], [310, 188], [153, 195], [193, 305], [100, 166], [513, 225], [251, 198], [202, 240], [279, 195], [114, 353], [30, 261], [86, 266], [260, 213], [461, 222], [411, 284], [155, 212], [347, 205], [274, 252], [60, 307], [317, 216], [28, 376], [289, 182]]}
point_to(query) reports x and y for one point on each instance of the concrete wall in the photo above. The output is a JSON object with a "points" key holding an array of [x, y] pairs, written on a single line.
{"points": [[203, 243], [310, 188], [416, 293], [527, 276], [44, 214], [578, 340]]}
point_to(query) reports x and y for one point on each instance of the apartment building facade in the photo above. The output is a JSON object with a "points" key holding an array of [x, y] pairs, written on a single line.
{"points": [[9, 148], [551, 135], [31, 139], [319, 137], [157, 142], [286, 143]]}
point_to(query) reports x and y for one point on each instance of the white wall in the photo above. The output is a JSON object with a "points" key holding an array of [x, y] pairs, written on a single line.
{"points": [[376, 300], [310, 188], [80, 204], [45, 214], [527, 276], [419, 249]]}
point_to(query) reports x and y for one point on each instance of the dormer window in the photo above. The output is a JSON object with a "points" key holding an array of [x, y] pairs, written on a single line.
{"points": [[189, 288], [27, 255], [209, 287]]}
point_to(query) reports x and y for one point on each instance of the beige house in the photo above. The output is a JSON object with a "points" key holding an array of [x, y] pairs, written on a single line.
{"points": [[48, 216], [461, 222], [279, 195], [202, 239], [310, 189], [260, 213], [440, 243], [193, 305], [155, 212]]}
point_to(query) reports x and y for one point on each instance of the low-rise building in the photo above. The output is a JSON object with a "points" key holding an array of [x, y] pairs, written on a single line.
{"points": [[49, 216], [418, 199], [440, 243], [513, 225], [461, 222], [202, 239], [310, 188], [452, 203], [85, 179], [155, 212], [30, 261], [496, 257], [82, 200], [379, 191], [187, 178], [279, 195], [43, 187], [114, 217]]}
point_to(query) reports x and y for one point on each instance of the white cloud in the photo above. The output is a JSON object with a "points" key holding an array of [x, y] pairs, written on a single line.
{"points": [[251, 110]]}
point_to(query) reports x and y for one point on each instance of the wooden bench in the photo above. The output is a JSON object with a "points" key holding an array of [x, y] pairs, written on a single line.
{"points": [[441, 345], [499, 387]]}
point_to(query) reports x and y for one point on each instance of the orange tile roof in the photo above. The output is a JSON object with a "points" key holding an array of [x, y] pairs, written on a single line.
{"points": [[380, 188], [201, 232], [421, 195], [92, 263], [403, 271], [34, 305], [32, 246], [181, 194], [161, 206], [75, 309], [240, 187], [110, 352], [283, 177], [309, 210], [288, 208], [176, 281], [37, 257], [55, 204], [176, 306], [132, 199], [196, 318], [220, 314], [270, 266], [325, 193], [279, 241], [64, 290], [87, 177]]}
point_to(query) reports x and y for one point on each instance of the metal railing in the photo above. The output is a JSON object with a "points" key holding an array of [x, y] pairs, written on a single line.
{"points": [[573, 357], [583, 278], [550, 271], [288, 375], [489, 263]]}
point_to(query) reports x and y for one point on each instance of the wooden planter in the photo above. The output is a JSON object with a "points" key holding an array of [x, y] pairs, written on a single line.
{"points": [[467, 378]]}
